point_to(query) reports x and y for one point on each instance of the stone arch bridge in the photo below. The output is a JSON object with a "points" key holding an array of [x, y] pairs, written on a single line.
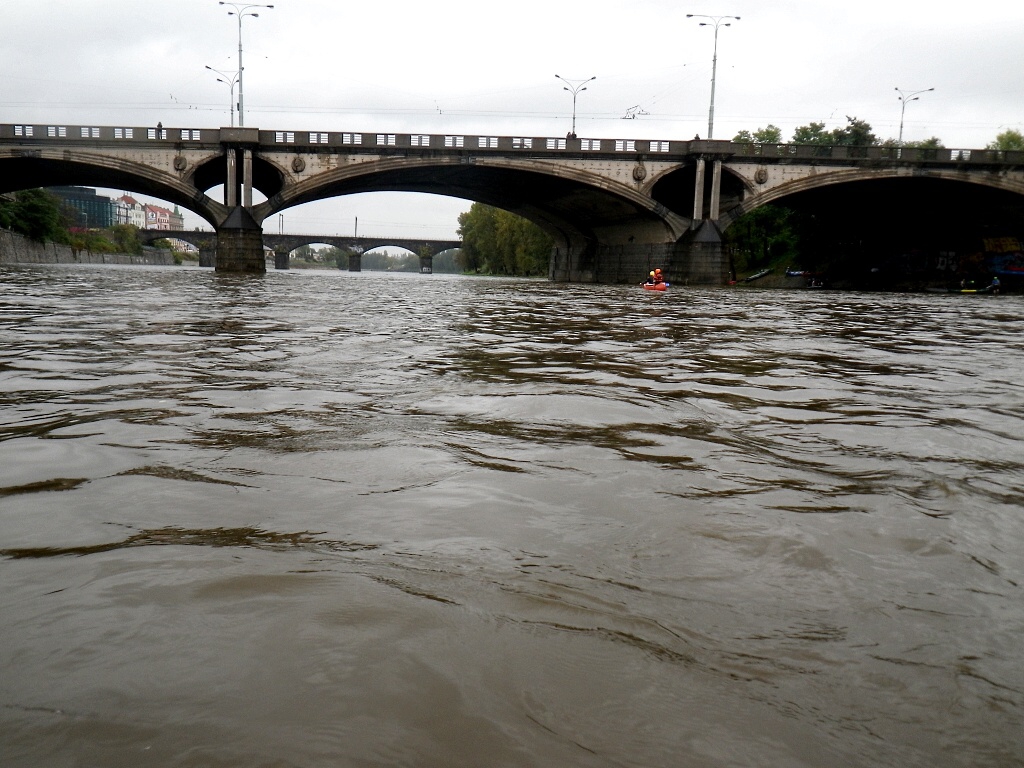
{"points": [[615, 207], [283, 244]]}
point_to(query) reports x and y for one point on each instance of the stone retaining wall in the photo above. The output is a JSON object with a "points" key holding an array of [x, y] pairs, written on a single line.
{"points": [[17, 249]]}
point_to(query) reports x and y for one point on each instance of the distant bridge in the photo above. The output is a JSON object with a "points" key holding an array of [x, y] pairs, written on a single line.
{"points": [[615, 207], [283, 245]]}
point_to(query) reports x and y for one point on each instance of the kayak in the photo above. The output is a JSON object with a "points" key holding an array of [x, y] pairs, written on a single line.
{"points": [[655, 286]]}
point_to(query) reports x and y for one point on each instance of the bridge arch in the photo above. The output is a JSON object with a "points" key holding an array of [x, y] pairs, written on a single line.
{"points": [[49, 168], [676, 188], [865, 177], [575, 207]]}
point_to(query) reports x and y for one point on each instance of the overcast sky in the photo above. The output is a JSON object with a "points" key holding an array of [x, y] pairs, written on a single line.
{"points": [[455, 66]]}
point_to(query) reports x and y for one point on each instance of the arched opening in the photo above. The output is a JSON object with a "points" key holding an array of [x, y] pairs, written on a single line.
{"points": [[894, 233]]}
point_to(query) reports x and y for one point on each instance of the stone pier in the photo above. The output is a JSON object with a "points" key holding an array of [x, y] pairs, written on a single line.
{"points": [[240, 244]]}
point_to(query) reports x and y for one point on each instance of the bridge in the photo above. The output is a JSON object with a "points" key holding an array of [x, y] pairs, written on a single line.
{"points": [[282, 245], [615, 207]]}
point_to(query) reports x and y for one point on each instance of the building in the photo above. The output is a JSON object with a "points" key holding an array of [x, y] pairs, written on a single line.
{"points": [[89, 209], [161, 218], [128, 210]]}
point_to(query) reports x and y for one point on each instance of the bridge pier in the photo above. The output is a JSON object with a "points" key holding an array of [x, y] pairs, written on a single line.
{"points": [[707, 262], [699, 258], [240, 244], [355, 262], [426, 265], [281, 260], [208, 257]]}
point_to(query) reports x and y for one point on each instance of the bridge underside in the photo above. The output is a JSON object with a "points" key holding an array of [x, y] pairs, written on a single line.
{"points": [[31, 172], [601, 232]]}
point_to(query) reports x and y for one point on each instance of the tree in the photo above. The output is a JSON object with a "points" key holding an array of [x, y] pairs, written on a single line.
{"points": [[856, 134], [1008, 140], [502, 243], [125, 238], [764, 237], [770, 134], [933, 143], [814, 133], [36, 214]]}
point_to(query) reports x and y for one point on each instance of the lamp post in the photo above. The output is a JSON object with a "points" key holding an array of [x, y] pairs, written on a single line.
{"points": [[230, 82], [241, 11], [575, 86], [716, 22], [904, 98]]}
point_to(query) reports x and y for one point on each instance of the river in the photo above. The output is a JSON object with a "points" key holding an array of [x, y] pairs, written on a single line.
{"points": [[333, 519]]}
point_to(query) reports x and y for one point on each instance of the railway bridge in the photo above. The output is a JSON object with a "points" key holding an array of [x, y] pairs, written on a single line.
{"points": [[615, 207]]}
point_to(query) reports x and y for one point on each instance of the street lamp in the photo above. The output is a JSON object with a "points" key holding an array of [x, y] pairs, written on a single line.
{"points": [[575, 86], [241, 11], [230, 82], [904, 98], [716, 21]]}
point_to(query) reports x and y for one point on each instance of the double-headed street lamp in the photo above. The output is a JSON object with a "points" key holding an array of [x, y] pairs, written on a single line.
{"points": [[241, 11], [904, 98], [228, 80], [575, 86], [716, 22]]}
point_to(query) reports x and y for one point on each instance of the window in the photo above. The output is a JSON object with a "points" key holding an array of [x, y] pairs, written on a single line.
{"points": [[556, 143], [155, 133], [351, 138], [455, 141], [89, 133], [124, 133], [419, 140], [318, 138], [622, 145], [189, 135], [522, 143], [385, 139], [284, 137], [487, 142], [659, 146], [589, 145], [57, 131], [23, 130]]}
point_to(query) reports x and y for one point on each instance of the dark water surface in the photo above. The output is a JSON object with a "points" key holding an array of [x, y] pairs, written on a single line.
{"points": [[332, 519]]}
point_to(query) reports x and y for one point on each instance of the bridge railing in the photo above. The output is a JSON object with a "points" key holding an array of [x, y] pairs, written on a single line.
{"points": [[109, 134], [385, 143], [884, 153]]}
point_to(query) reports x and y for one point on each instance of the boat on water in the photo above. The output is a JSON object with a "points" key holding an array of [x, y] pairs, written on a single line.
{"points": [[757, 276], [963, 289], [655, 286]]}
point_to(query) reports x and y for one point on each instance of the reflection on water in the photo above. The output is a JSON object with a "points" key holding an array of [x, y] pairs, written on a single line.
{"points": [[354, 519]]}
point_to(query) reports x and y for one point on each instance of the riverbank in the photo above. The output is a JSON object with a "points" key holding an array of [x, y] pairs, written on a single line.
{"points": [[18, 249]]}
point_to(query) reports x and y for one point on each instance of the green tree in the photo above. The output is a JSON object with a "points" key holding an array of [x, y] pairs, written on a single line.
{"points": [[499, 242], [770, 134], [765, 237], [857, 133], [125, 238], [36, 214], [814, 133], [933, 143], [1008, 140]]}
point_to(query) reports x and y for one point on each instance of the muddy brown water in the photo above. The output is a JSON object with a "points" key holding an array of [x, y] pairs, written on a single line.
{"points": [[333, 519]]}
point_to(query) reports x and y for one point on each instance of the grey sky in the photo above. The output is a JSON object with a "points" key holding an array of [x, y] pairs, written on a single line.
{"points": [[486, 67]]}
